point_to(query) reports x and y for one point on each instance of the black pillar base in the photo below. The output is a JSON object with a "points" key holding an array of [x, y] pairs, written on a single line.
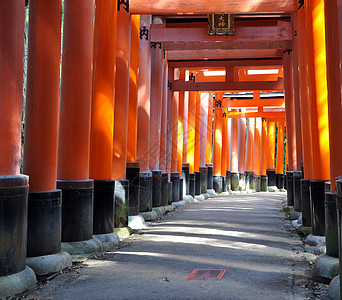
{"points": [[165, 189], [77, 209], [217, 183], [174, 177], [331, 227], [156, 188], [13, 223], [235, 181], [204, 179], [181, 189], [305, 196], [44, 223], [263, 183], [210, 182], [297, 176], [133, 176], [186, 177], [242, 181], [170, 193], [192, 184], [121, 203], [104, 208], [272, 178], [257, 182], [339, 222], [224, 184], [249, 180], [197, 183], [145, 192], [317, 207], [229, 180], [280, 178], [289, 184]]}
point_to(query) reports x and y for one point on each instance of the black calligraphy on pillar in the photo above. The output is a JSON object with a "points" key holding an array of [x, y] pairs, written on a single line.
{"points": [[144, 33], [125, 3], [301, 4], [192, 77], [224, 115], [218, 103], [154, 45], [288, 51], [169, 84]]}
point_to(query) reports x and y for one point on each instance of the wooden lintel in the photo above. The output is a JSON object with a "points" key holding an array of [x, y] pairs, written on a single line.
{"points": [[276, 115], [191, 7], [226, 63], [242, 34], [227, 45], [228, 102]]}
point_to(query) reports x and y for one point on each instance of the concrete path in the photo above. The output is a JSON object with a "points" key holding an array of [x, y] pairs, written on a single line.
{"points": [[242, 234]]}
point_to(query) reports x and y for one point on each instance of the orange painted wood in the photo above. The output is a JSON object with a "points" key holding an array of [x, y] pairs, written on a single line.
{"points": [[159, 33], [257, 146], [304, 96], [133, 90], [242, 144], [333, 39], [315, 41], [271, 144], [123, 53], [229, 102], [238, 45], [217, 150], [247, 114], [164, 118], [225, 152], [42, 99], [180, 127], [191, 140], [185, 124], [280, 149], [223, 54], [76, 89], [169, 94], [209, 151], [175, 125], [180, 85], [296, 95], [250, 144], [203, 128], [144, 93], [234, 146], [197, 132], [102, 119], [290, 114], [226, 63], [263, 150], [206, 6], [156, 106], [12, 26]]}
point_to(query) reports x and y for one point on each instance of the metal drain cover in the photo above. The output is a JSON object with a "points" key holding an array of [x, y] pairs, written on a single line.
{"points": [[207, 274]]}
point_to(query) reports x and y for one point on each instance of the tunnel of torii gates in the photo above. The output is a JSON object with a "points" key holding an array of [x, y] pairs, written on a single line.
{"points": [[146, 109]]}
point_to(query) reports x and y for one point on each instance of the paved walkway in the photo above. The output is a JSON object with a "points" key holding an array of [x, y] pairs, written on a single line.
{"points": [[242, 234]]}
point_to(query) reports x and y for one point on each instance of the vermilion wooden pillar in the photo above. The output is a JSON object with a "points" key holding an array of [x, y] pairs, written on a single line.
{"points": [[242, 142], [263, 149], [102, 120], [191, 131], [185, 120], [180, 126], [133, 90], [296, 94], [13, 186], [197, 132], [304, 96], [121, 95], [250, 144], [234, 146], [175, 126], [74, 124], [204, 97], [217, 140], [280, 149], [225, 152], [144, 94], [316, 60], [156, 103], [209, 153], [170, 113], [289, 107], [257, 145], [41, 130], [270, 144], [164, 118], [333, 39]]}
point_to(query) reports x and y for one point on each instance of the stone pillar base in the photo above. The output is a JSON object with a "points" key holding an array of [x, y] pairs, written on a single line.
{"points": [[217, 183], [192, 184], [121, 196], [145, 192]]}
